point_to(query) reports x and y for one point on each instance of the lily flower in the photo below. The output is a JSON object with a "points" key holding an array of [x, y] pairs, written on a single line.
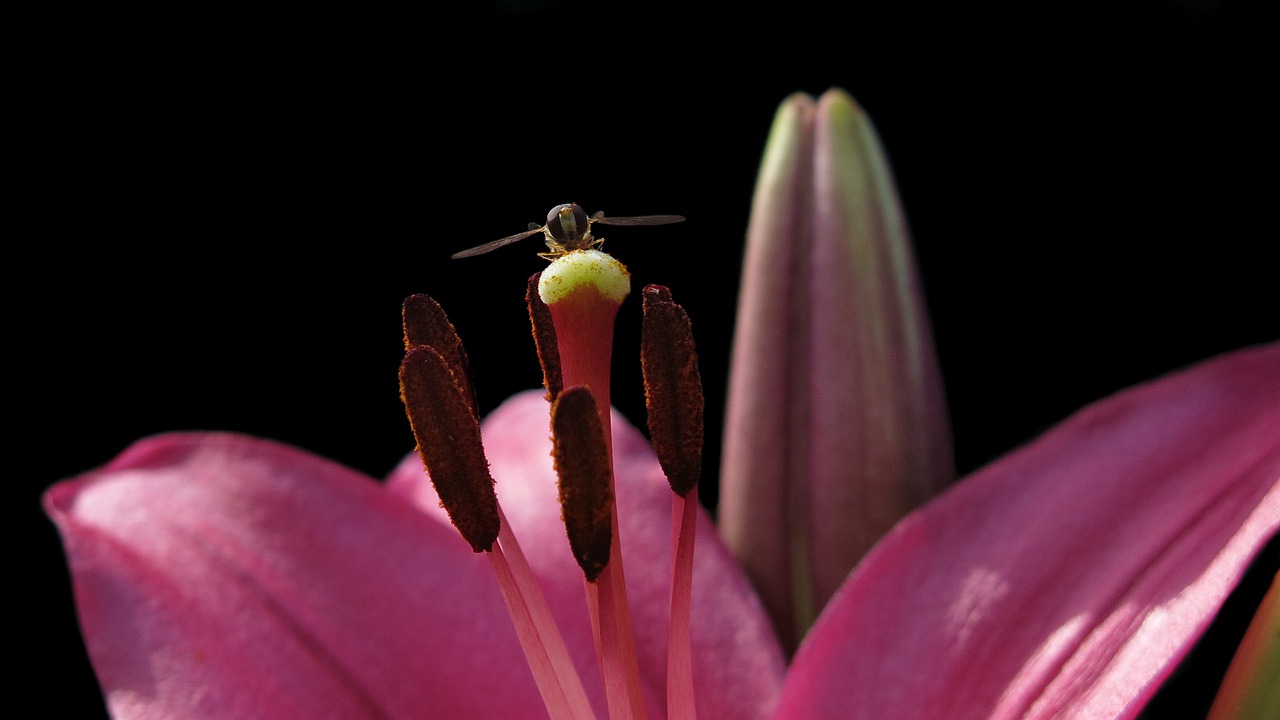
{"points": [[221, 575]]}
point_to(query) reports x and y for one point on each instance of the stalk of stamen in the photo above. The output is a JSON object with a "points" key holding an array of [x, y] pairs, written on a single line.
{"points": [[680, 695], [673, 397], [435, 388], [540, 639], [582, 290]]}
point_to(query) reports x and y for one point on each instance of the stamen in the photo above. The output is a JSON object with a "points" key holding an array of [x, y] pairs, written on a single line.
{"points": [[673, 396], [436, 391], [544, 337], [448, 435], [582, 464], [672, 389]]}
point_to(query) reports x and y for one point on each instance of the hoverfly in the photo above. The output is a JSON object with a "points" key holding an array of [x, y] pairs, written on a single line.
{"points": [[568, 228]]}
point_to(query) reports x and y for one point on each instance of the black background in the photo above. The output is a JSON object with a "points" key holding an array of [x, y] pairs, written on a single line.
{"points": [[214, 212]]}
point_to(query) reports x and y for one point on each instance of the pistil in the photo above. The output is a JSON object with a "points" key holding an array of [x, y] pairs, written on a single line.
{"points": [[582, 291]]}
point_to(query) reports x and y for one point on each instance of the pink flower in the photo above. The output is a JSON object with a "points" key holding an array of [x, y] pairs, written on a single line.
{"points": [[227, 576], [223, 576]]}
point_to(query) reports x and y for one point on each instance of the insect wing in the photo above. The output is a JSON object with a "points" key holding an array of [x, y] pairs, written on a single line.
{"points": [[638, 220], [490, 246]]}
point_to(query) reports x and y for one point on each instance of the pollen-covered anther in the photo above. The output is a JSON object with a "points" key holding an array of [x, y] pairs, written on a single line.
{"points": [[425, 323], [544, 338], [448, 436], [582, 464], [673, 388]]}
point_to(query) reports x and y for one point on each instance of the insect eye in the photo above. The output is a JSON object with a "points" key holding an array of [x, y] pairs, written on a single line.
{"points": [[567, 222], [554, 215]]}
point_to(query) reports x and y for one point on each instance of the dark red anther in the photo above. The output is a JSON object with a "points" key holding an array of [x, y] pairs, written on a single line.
{"points": [[672, 388], [582, 463], [448, 435], [544, 337], [425, 323]]}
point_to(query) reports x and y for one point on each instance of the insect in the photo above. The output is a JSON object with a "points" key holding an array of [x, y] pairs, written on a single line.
{"points": [[568, 228]]}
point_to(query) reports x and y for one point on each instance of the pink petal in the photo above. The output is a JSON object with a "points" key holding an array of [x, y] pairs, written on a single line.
{"points": [[737, 662], [1069, 578], [222, 576]]}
